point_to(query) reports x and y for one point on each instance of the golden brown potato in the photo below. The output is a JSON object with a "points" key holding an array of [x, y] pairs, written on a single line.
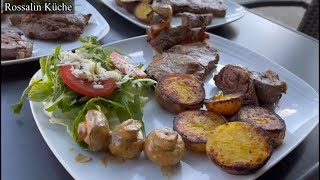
{"points": [[164, 147], [130, 5], [265, 119], [195, 126], [163, 9], [179, 92], [144, 12], [225, 105], [120, 3], [239, 147]]}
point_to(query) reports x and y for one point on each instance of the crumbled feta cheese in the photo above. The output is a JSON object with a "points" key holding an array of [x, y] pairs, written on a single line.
{"points": [[83, 67], [97, 86]]}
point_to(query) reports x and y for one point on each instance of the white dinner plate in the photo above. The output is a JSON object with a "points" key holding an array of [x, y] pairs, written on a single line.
{"points": [[298, 108], [97, 26], [234, 12]]}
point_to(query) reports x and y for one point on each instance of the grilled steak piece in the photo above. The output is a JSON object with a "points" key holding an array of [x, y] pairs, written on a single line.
{"points": [[51, 26], [164, 37], [195, 20], [235, 79], [197, 58], [268, 86], [13, 46], [216, 7]]}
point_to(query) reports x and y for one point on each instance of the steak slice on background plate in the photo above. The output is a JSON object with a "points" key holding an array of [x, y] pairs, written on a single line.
{"points": [[195, 20], [162, 37], [236, 79], [13, 46], [51, 26], [217, 8], [196, 58]]}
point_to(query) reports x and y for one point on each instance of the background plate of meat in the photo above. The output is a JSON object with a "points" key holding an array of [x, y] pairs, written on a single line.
{"points": [[45, 42], [228, 12], [298, 108]]}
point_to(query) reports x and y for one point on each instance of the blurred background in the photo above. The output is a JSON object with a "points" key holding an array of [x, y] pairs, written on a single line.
{"points": [[302, 15]]}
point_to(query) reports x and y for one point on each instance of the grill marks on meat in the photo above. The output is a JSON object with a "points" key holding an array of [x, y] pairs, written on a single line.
{"points": [[268, 86], [195, 20], [235, 79], [263, 89], [217, 8], [51, 26], [164, 37], [13, 46], [197, 58]]}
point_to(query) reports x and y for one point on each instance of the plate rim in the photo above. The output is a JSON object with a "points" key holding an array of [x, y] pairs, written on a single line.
{"points": [[31, 59], [141, 25], [255, 175]]}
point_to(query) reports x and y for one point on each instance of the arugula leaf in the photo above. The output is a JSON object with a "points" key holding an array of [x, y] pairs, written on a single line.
{"points": [[137, 111], [18, 106]]}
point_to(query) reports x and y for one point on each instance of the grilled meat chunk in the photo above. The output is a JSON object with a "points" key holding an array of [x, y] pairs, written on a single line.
{"points": [[195, 20], [217, 8], [164, 37], [235, 79], [195, 58], [268, 86], [51, 26], [13, 46]]}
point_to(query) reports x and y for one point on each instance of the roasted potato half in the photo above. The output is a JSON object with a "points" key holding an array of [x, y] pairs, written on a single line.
{"points": [[194, 127], [144, 12], [239, 147], [179, 92], [225, 105], [265, 119], [129, 5], [163, 9]]}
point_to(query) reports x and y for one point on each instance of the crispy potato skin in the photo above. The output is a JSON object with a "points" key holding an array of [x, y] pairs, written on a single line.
{"points": [[130, 6], [119, 3], [239, 148], [265, 119], [179, 92], [194, 127], [227, 107], [144, 12]]}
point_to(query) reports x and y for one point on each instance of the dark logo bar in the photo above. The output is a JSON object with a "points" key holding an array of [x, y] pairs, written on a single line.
{"points": [[37, 6]]}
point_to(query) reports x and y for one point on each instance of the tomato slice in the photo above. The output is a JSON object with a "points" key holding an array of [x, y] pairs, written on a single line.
{"points": [[85, 87], [122, 65]]}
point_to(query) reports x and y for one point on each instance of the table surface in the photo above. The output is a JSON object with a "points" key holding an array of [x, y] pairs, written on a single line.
{"points": [[25, 154]]}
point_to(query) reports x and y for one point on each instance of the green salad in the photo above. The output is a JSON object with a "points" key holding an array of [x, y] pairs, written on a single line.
{"points": [[91, 77]]}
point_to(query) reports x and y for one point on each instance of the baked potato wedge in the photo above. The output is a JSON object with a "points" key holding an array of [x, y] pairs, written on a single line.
{"points": [[265, 119], [225, 105], [179, 92], [144, 12], [163, 9], [129, 5], [239, 147], [194, 127]]}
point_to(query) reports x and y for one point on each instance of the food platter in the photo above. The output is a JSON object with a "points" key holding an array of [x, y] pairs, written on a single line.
{"points": [[234, 12], [97, 26], [298, 108]]}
